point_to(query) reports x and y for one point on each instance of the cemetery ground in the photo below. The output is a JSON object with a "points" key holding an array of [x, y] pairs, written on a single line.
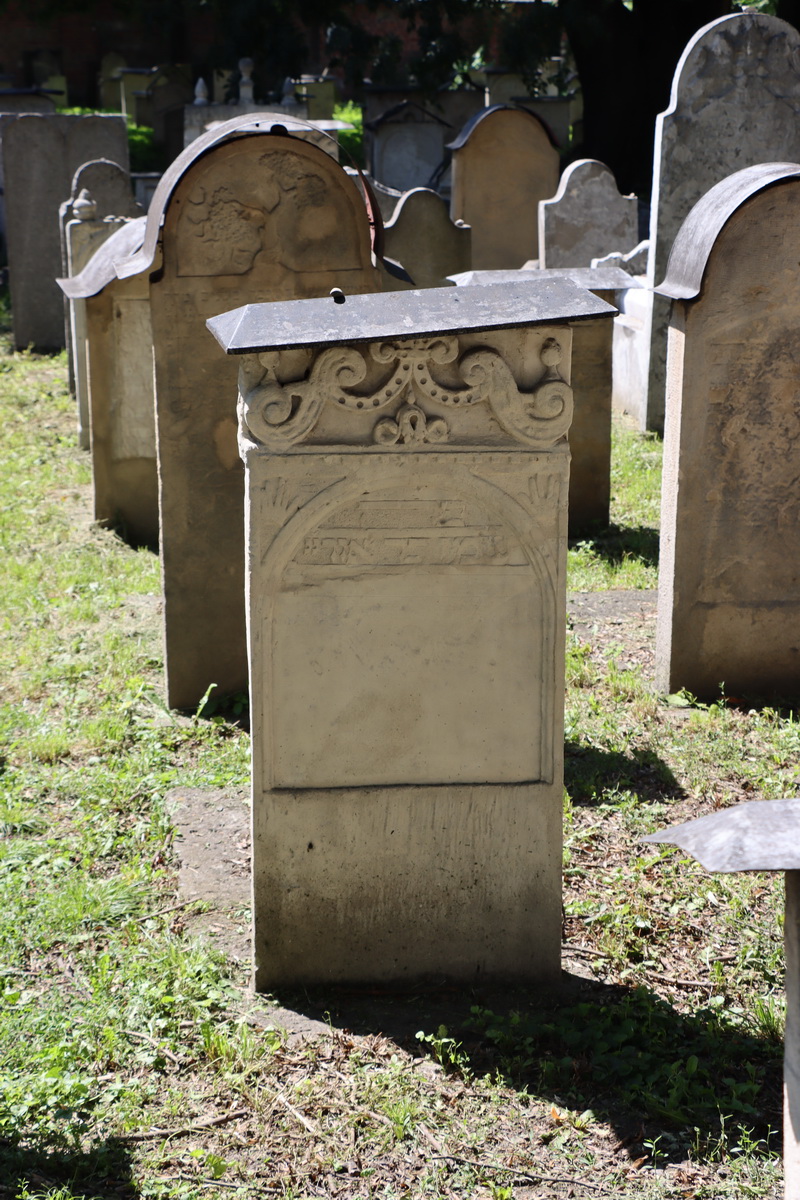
{"points": [[133, 1061]]}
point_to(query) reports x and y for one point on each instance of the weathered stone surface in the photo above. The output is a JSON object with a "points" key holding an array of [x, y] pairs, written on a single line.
{"points": [[41, 154], [729, 586], [593, 381], [588, 217], [406, 518], [429, 245], [504, 163], [111, 192], [735, 102], [118, 355], [246, 218], [406, 144]]}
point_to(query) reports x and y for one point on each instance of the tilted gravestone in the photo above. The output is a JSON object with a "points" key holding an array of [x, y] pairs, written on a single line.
{"points": [[110, 191], [504, 163], [422, 237], [588, 217], [242, 214], [735, 102], [729, 587], [41, 154], [407, 465], [592, 383], [116, 355]]}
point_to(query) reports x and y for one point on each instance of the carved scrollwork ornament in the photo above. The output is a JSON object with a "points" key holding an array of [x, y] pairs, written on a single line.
{"points": [[282, 414]]}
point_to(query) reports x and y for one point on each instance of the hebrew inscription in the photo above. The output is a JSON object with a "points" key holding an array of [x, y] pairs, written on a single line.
{"points": [[420, 376]]}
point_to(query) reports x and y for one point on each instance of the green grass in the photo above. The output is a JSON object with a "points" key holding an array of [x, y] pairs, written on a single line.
{"points": [[123, 1034], [625, 555]]}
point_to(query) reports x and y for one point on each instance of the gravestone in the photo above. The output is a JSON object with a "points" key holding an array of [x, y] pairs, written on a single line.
{"points": [[117, 354], [729, 588], [422, 237], [593, 368], [26, 100], [504, 163], [111, 192], [405, 145], [242, 214], [586, 218], [735, 102], [406, 468], [108, 80], [41, 154]]}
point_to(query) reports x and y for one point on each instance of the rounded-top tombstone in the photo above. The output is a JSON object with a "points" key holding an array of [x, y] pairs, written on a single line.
{"points": [[735, 102], [246, 213], [729, 583], [504, 163]]}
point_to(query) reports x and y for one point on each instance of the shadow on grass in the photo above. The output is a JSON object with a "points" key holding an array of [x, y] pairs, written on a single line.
{"points": [[621, 542], [590, 773], [689, 1080], [104, 1171]]}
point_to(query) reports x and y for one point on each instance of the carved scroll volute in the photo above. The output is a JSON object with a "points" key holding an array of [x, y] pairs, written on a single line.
{"points": [[538, 418], [280, 415]]}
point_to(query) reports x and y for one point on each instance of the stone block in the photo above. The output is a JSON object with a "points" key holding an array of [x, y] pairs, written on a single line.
{"points": [[729, 585], [735, 102], [41, 154], [406, 467], [588, 217], [504, 163]]}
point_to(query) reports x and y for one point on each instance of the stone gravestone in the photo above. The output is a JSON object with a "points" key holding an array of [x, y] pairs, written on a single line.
{"points": [[41, 154], [111, 192], [735, 102], [406, 144], [504, 163], [407, 468], [588, 217], [117, 352], [422, 237], [729, 588], [593, 367], [250, 215]]}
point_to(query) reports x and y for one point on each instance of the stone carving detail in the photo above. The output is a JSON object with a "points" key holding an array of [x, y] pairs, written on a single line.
{"points": [[282, 414]]}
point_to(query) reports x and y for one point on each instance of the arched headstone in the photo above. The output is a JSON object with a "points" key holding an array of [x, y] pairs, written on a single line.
{"points": [[243, 214], [588, 217], [729, 581], [735, 102], [504, 163]]}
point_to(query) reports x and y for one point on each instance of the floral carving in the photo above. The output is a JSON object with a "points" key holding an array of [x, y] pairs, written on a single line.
{"points": [[282, 414]]}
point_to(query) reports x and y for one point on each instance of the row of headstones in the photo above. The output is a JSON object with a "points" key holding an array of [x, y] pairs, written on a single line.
{"points": [[202, 247], [735, 102]]}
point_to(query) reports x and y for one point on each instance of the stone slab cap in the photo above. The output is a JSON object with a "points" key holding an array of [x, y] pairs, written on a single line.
{"points": [[698, 233], [261, 122], [472, 124], [102, 267], [761, 835], [595, 279], [368, 318]]}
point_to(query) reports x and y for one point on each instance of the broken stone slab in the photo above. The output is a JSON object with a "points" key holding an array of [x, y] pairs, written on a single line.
{"points": [[406, 473]]}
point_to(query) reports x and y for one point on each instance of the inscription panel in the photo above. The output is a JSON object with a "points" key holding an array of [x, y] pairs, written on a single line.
{"points": [[413, 649]]}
